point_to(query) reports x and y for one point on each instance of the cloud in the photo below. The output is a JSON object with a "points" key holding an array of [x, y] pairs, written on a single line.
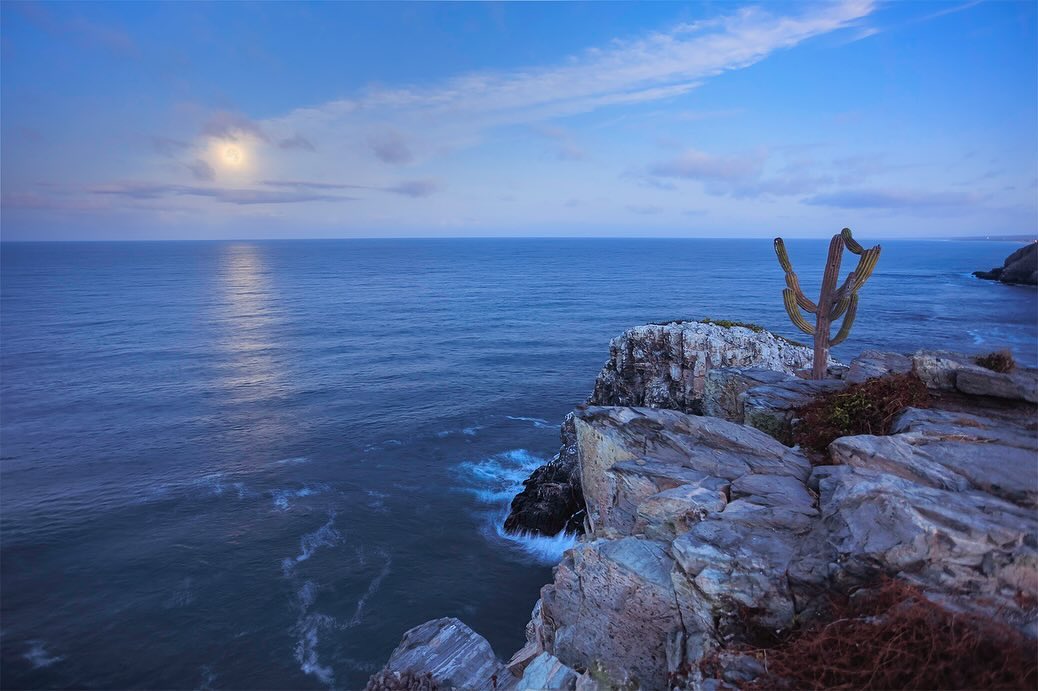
{"points": [[305, 184], [229, 125], [201, 170], [415, 188], [644, 209], [84, 31], [661, 65], [296, 141], [147, 191], [390, 147], [698, 165], [893, 199]]}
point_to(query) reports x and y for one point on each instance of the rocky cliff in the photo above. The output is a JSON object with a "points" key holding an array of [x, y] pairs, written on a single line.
{"points": [[704, 533], [1019, 267], [658, 366]]}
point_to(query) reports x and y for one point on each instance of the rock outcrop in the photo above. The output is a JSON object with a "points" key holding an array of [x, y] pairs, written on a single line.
{"points": [[665, 365], [704, 533], [657, 366], [1020, 267]]}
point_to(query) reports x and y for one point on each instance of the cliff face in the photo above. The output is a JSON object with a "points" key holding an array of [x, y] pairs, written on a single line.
{"points": [[1020, 267], [703, 532], [658, 366], [665, 365]]}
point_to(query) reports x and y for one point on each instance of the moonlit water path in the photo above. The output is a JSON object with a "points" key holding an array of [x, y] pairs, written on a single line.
{"points": [[254, 465]]}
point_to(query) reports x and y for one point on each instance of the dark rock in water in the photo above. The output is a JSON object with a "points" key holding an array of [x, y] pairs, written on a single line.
{"points": [[552, 499], [1020, 267]]}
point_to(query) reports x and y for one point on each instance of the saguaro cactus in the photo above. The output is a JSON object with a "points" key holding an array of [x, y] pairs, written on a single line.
{"points": [[833, 302]]}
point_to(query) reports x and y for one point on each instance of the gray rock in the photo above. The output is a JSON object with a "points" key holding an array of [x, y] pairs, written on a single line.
{"points": [[1019, 385], [773, 408], [665, 365], [448, 653], [875, 363], [611, 608], [665, 515], [629, 454], [967, 544], [939, 368], [546, 673], [724, 385]]}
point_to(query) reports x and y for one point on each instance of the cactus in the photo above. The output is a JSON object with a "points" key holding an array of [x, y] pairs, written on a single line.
{"points": [[833, 302]]}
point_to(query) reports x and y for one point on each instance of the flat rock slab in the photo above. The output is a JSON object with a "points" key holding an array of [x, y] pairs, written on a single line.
{"points": [[875, 363], [773, 408], [948, 371]]}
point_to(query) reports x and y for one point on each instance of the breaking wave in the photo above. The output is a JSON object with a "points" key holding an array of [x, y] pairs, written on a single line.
{"points": [[494, 481]]}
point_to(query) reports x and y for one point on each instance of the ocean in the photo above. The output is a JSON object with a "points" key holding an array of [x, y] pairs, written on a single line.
{"points": [[254, 465]]}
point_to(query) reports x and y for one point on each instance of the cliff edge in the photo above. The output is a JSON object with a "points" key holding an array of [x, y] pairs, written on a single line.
{"points": [[707, 537]]}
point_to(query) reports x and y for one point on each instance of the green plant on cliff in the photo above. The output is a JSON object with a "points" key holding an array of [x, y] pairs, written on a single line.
{"points": [[833, 302], [999, 361], [865, 408]]}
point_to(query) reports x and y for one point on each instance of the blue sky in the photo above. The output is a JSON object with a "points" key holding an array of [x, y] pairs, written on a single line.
{"points": [[237, 120]]}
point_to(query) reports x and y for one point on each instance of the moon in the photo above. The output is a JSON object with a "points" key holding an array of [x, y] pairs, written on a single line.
{"points": [[233, 156]]}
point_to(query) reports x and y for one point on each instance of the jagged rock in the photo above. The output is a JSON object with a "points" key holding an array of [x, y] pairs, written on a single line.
{"points": [[610, 607], [772, 408], [551, 500], [546, 673], [875, 363], [1019, 267], [667, 514], [665, 365], [725, 385], [629, 454], [939, 368], [445, 654], [964, 543]]}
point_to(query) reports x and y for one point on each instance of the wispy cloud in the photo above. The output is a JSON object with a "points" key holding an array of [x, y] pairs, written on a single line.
{"points": [[699, 165], [297, 141], [201, 170], [148, 191], [894, 199], [415, 188], [390, 147], [565, 144]]}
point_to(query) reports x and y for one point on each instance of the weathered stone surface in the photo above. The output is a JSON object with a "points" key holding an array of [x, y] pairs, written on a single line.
{"points": [[667, 514], [610, 609], [684, 449], [546, 673], [1020, 385], [724, 386], [939, 368], [773, 408], [875, 363], [967, 544], [996, 455], [665, 365], [1019, 267], [446, 653]]}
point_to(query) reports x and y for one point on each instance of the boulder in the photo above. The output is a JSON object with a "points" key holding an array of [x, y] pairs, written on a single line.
{"points": [[666, 365], [874, 363], [546, 673], [442, 654], [947, 371], [1019, 267], [551, 500]]}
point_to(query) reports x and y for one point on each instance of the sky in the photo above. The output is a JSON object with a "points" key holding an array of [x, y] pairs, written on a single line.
{"points": [[719, 119]]}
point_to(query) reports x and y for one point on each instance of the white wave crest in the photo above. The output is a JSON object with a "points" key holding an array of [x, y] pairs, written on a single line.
{"points": [[325, 536], [540, 423]]}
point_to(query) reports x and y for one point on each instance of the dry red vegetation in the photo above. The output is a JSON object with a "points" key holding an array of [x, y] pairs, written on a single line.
{"points": [[865, 408], [894, 638], [999, 361]]}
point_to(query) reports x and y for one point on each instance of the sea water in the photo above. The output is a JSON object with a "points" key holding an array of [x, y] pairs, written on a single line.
{"points": [[256, 464]]}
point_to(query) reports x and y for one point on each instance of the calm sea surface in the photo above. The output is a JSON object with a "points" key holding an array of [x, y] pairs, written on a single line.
{"points": [[256, 464]]}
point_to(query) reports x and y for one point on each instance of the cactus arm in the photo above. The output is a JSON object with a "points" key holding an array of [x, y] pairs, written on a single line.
{"points": [[790, 300], [866, 265], [851, 243], [783, 257], [843, 297], [794, 284], [848, 321]]}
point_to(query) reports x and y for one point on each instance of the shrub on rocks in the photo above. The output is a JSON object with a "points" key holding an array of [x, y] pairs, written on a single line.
{"points": [[999, 361], [865, 408]]}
